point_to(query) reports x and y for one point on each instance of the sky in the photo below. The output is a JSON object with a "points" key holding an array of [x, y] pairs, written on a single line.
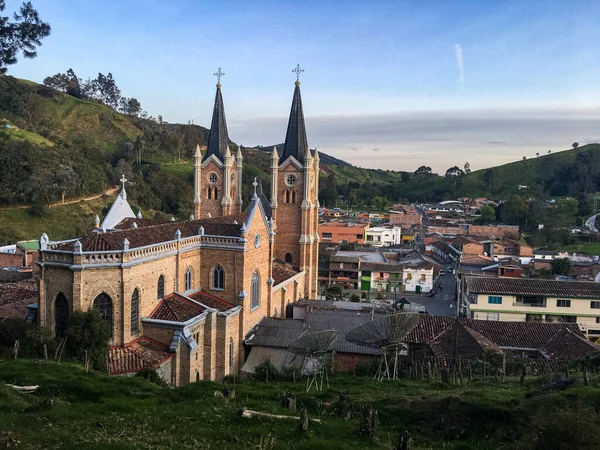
{"points": [[387, 84]]}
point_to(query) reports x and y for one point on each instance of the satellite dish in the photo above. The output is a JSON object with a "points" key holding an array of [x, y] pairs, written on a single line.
{"points": [[386, 334], [314, 347]]}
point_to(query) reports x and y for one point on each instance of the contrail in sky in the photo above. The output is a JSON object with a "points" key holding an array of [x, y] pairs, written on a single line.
{"points": [[459, 62]]}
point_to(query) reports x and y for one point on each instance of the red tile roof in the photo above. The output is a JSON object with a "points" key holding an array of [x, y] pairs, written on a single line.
{"points": [[212, 301], [282, 272], [143, 353], [565, 346], [529, 286], [176, 308], [155, 234], [461, 341], [14, 298]]}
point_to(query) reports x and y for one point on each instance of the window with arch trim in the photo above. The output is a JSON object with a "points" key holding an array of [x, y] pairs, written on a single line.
{"points": [[218, 278], [160, 288], [255, 298], [135, 311], [288, 258], [103, 304], [188, 279], [230, 352]]}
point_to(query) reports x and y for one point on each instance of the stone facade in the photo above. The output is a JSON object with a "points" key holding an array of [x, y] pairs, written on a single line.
{"points": [[194, 288]]}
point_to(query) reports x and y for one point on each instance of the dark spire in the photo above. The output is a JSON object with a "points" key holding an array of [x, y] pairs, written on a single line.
{"points": [[218, 139], [296, 144]]}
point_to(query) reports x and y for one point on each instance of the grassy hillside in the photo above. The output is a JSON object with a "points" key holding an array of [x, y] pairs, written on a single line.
{"points": [[75, 410], [543, 170]]}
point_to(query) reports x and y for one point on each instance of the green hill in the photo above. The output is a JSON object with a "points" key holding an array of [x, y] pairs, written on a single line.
{"points": [[73, 409], [54, 145], [557, 172]]}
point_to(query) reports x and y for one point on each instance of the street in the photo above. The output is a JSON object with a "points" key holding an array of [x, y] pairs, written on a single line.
{"points": [[440, 304]]}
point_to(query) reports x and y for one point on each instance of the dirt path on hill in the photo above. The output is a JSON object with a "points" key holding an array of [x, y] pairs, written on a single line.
{"points": [[109, 191]]}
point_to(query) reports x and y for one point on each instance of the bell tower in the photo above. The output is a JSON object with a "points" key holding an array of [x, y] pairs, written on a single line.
{"points": [[217, 174], [294, 203]]}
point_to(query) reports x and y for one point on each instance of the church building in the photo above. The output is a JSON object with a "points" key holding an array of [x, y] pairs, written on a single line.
{"points": [[181, 296]]}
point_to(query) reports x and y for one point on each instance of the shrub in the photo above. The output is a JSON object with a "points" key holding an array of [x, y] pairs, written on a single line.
{"points": [[88, 332], [35, 340], [12, 330], [152, 376]]}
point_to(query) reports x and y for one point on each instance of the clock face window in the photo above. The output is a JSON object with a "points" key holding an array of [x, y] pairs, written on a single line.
{"points": [[213, 178], [257, 240], [291, 180]]}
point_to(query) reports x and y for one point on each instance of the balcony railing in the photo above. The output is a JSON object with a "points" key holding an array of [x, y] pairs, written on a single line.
{"points": [[530, 305]]}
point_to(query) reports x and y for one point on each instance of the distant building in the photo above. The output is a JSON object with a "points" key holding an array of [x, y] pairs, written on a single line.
{"points": [[336, 232], [534, 300], [383, 236], [405, 219], [377, 272]]}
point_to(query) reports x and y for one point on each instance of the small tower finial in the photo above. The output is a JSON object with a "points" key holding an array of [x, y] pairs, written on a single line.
{"points": [[123, 181], [255, 184], [219, 74], [298, 71]]}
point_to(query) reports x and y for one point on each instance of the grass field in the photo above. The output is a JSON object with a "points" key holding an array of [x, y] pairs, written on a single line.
{"points": [[74, 410], [587, 249], [60, 222]]}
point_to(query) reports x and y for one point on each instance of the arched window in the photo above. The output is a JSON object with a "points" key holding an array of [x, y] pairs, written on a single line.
{"points": [[255, 300], [160, 288], [218, 278], [216, 193], [288, 258], [209, 193], [188, 279], [287, 196], [293, 196], [230, 353], [61, 315], [103, 304], [135, 310], [197, 375]]}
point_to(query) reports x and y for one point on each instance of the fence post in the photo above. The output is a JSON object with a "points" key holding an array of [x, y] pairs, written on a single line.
{"points": [[503, 366]]}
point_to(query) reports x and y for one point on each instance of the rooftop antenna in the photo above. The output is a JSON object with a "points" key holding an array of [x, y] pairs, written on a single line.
{"points": [[315, 348], [385, 334]]}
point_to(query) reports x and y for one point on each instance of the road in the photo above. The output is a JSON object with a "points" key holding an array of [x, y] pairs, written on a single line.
{"points": [[591, 223], [443, 304]]}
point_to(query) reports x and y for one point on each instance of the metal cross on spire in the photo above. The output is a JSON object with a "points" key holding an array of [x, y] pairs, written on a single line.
{"points": [[255, 184], [219, 73], [123, 181], [298, 71]]}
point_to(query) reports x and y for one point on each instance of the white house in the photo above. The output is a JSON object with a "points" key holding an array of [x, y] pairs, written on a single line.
{"points": [[383, 236]]}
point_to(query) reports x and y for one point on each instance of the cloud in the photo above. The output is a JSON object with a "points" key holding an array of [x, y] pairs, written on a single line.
{"points": [[354, 149], [459, 63], [484, 137], [375, 149]]}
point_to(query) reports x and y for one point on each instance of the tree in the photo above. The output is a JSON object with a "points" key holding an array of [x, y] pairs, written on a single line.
{"points": [[22, 35], [575, 144], [333, 293], [513, 210], [488, 214], [454, 175], [381, 203], [132, 107], [107, 90], [537, 154], [488, 178], [560, 266], [87, 332], [467, 168], [423, 173], [330, 193]]}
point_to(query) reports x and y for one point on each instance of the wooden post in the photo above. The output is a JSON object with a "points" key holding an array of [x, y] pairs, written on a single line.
{"points": [[16, 349], [45, 351], [586, 378], [503, 366], [523, 373]]}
